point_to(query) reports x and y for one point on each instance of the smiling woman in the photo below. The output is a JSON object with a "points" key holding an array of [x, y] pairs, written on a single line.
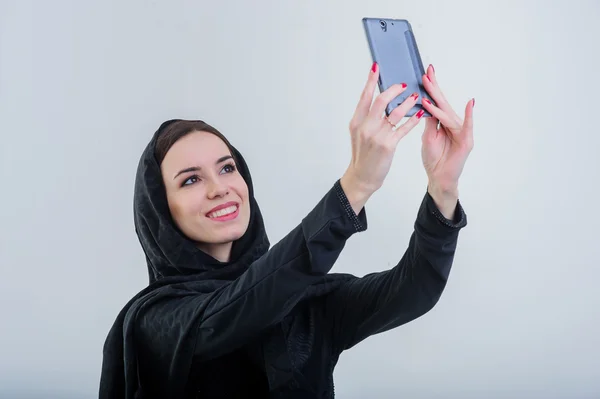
{"points": [[207, 196], [227, 316]]}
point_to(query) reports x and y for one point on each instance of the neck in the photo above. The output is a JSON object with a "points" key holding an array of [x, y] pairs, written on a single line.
{"points": [[221, 252]]}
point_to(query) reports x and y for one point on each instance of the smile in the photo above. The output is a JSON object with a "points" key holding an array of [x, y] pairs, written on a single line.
{"points": [[223, 214]]}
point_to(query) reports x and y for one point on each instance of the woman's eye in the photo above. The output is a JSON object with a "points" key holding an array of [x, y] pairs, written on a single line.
{"points": [[229, 168], [191, 180]]}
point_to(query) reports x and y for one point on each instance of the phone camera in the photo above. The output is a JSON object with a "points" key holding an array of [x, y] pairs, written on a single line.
{"points": [[383, 25]]}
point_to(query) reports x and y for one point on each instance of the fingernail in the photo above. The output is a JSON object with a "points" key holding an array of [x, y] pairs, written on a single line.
{"points": [[415, 95], [426, 101], [374, 67], [420, 114], [432, 68], [404, 85], [473, 102], [428, 78]]}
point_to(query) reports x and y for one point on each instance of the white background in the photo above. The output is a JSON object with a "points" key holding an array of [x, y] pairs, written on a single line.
{"points": [[84, 85]]}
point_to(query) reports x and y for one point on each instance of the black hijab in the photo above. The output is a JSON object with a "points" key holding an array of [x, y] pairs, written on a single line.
{"points": [[176, 268], [168, 251]]}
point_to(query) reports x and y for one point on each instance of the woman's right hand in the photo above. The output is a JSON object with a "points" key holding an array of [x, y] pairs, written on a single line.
{"points": [[374, 139]]}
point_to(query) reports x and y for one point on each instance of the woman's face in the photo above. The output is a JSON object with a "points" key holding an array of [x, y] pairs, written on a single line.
{"points": [[208, 198]]}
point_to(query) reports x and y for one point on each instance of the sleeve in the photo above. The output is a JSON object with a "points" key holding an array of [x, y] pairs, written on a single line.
{"points": [[232, 316], [382, 301]]}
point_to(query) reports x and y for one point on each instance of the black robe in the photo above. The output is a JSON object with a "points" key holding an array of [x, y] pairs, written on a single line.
{"points": [[271, 322]]}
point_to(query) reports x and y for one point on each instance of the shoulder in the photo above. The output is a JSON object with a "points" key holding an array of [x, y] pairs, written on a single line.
{"points": [[164, 311]]}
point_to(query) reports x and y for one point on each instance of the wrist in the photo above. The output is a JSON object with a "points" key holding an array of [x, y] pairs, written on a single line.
{"points": [[445, 197], [357, 194], [447, 188]]}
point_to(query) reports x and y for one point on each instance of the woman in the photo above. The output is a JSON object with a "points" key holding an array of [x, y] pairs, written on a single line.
{"points": [[224, 315]]}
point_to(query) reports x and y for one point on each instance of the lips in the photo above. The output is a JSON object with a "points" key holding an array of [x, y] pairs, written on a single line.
{"points": [[223, 210]]}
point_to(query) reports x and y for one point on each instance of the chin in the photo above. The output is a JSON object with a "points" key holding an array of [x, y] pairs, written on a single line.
{"points": [[223, 234], [234, 235], [224, 237]]}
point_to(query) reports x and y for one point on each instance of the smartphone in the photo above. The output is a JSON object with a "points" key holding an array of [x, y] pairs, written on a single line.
{"points": [[394, 48]]}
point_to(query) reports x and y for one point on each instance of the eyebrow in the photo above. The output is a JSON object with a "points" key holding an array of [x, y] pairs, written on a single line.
{"points": [[197, 168]]}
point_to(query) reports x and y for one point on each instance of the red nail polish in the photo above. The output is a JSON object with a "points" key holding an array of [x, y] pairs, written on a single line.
{"points": [[473, 102], [432, 68], [374, 67], [428, 78], [404, 85], [426, 101], [420, 114], [415, 95]]}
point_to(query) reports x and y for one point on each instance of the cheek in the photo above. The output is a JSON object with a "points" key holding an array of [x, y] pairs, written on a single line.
{"points": [[182, 207], [242, 190]]}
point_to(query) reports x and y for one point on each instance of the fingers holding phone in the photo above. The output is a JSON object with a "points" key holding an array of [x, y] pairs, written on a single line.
{"points": [[366, 98], [374, 110], [375, 137], [442, 109], [400, 112]]}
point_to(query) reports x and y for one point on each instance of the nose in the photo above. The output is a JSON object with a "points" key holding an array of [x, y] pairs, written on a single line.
{"points": [[217, 189]]}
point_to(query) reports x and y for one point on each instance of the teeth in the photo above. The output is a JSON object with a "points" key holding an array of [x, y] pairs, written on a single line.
{"points": [[223, 212]]}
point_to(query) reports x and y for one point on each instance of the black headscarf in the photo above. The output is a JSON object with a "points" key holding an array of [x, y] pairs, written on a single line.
{"points": [[177, 269], [168, 251]]}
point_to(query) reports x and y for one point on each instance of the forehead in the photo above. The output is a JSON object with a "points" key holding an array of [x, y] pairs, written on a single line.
{"points": [[197, 148]]}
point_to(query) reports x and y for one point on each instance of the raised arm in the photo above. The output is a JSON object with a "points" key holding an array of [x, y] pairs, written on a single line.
{"points": [[382, 301]]}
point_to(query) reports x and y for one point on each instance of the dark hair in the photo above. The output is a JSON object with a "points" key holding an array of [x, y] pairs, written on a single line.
{"points": [[178, 129]]}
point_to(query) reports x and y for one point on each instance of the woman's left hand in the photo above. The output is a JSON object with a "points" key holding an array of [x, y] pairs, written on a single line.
{"points": [[445, 147]]}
